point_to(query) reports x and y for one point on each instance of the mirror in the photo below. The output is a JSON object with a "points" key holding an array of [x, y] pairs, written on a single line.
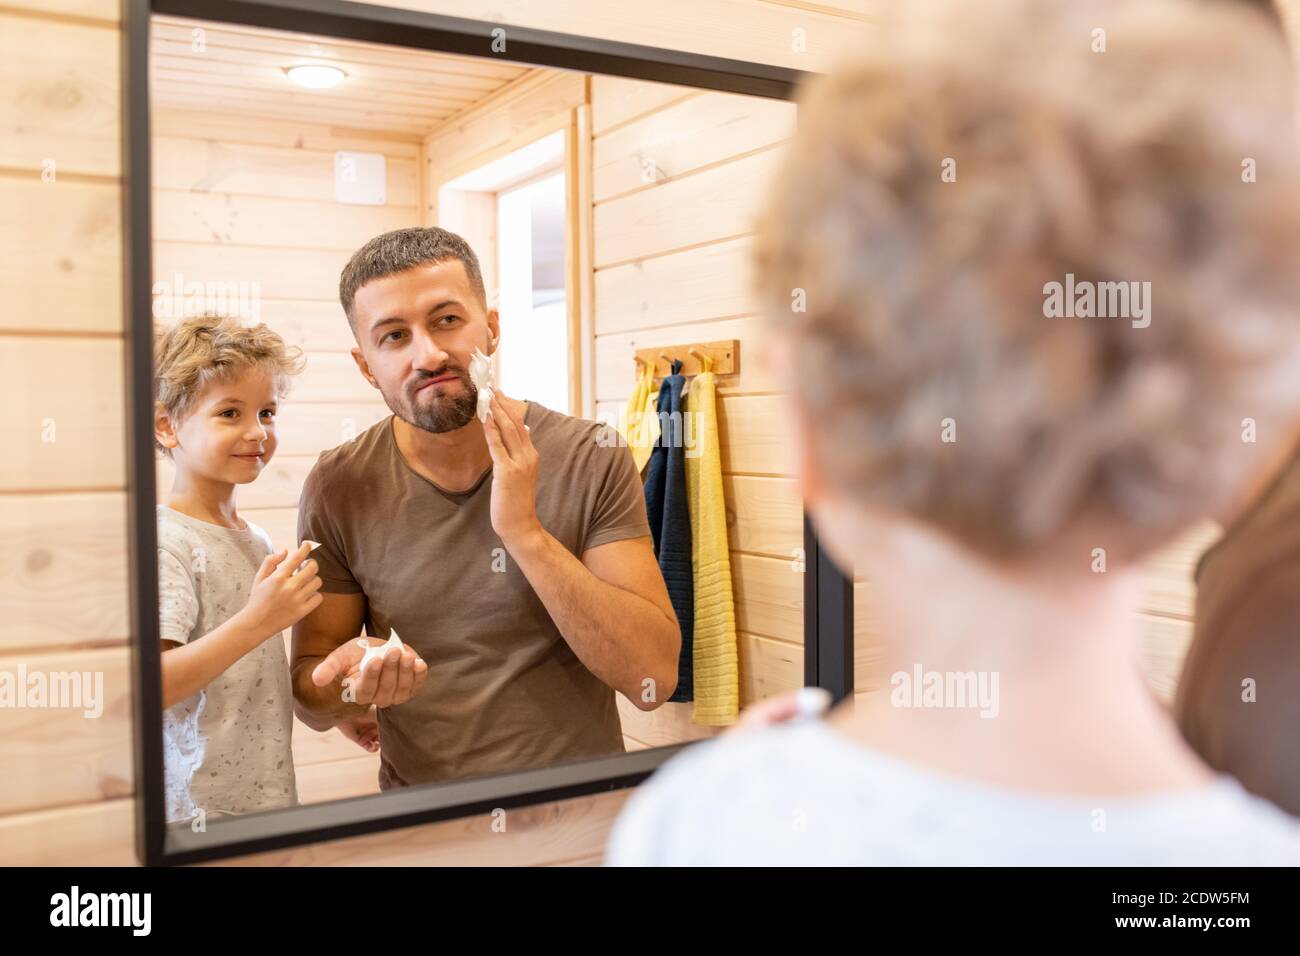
{"points": [[354, 246]]}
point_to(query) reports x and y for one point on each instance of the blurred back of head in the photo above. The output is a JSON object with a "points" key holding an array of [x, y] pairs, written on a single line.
{"points": [[952, 199]]}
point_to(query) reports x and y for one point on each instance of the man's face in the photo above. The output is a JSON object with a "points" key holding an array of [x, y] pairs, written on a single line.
{"points": [[416, 331], [229, 435]]}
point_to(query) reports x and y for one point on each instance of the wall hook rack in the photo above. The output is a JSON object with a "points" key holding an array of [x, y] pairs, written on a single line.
{"points": [[725, 355]]}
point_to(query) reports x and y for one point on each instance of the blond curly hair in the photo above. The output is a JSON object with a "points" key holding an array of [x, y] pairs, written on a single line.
{"points": [[197, 352], [939, 183]]}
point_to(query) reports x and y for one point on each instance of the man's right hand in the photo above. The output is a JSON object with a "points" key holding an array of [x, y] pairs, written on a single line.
{"points": [[280, 598], [394, 679]]}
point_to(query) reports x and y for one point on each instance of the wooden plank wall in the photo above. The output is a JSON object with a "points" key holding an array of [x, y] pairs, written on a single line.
{"points": [[63, 587], [676, 177], [1169, 596]]}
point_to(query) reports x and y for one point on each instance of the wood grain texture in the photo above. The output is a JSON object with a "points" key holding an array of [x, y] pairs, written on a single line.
{"points": [[64, 594], [59, 97], [239, 70], [60, 256]]}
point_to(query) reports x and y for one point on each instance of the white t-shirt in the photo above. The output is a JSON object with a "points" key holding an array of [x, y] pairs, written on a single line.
{"points": [[226, 749], [802, 794]]}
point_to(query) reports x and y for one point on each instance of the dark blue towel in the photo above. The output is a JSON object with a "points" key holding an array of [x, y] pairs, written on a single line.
{"points": [[670, 521]]}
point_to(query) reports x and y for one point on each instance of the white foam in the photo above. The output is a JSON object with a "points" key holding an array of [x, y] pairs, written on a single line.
{"points": [[374, 651], [480, 373]]}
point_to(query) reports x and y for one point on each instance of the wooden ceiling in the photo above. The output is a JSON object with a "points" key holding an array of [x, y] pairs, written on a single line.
{"points": [[242, 70]]}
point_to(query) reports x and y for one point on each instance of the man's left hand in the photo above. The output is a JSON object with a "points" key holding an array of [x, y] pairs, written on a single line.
{"points": [[514, 474]]}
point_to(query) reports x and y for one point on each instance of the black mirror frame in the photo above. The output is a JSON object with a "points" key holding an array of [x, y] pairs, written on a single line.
{"points": [[828, 593]]}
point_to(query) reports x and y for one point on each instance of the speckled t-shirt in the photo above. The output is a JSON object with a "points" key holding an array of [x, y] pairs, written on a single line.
{"points": [[226, 749]]}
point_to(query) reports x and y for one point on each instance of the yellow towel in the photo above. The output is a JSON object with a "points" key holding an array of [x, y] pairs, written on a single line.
{"points": [[640, 425], [716, 669]]}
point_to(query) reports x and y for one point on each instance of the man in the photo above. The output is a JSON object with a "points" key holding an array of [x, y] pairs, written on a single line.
{"points": [[522, 603], [998, 471], [1238, 701]]}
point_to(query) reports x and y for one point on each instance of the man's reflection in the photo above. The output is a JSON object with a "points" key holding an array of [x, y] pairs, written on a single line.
{"points": [[512, 556]]}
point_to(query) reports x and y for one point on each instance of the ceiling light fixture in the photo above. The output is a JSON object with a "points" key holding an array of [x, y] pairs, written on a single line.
{"points": [[315, 77]]}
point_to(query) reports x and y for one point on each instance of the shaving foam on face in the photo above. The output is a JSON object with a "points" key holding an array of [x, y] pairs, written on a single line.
{"points": [[480, 373]]}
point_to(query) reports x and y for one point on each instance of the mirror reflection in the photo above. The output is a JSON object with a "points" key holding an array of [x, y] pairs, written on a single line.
{"points": [[460, 470]]}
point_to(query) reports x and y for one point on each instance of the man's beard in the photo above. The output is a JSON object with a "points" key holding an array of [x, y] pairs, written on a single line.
{"points": [[438, 413]]}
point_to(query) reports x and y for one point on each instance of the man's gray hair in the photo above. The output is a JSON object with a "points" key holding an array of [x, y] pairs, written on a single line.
{"points": [[403, 249]]}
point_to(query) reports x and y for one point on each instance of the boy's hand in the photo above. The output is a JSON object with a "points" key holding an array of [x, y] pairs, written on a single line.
{"points": [[362, 730], [279, 596], [804, 702], [395, 679]]}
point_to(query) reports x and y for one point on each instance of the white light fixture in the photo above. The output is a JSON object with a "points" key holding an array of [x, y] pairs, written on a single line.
{"points": [[315, 76]]}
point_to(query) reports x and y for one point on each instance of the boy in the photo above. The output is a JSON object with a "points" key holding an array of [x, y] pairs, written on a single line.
{"points": [[997, 468], [224, 595]]}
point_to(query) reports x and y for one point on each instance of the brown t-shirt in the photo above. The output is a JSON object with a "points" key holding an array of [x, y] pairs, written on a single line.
{"points": [[505, 691], [1248, 626]]}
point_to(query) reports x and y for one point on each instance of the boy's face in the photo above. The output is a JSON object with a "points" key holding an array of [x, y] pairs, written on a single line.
{"points": [[416, 332], [229, 435]]}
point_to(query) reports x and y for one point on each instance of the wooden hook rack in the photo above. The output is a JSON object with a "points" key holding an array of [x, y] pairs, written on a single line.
{"points": [[725, 355]]}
